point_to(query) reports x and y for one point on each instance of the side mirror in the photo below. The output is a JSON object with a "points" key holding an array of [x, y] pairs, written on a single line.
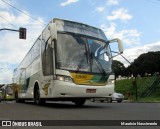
{"points": [[53, 30], [120, 45]]}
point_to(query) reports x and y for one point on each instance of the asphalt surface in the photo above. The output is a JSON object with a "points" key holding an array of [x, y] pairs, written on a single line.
{"points": [[9, 110]]}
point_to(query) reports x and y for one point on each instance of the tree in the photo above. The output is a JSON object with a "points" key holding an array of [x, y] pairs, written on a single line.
{"points": [[118, 68], [146, 63]]}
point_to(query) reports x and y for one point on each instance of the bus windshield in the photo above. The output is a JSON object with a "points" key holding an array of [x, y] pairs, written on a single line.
{"points": [[83, 54]]}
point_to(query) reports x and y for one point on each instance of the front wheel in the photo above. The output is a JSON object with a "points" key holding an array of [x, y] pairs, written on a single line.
{"points": [[38, 100], [79, 102]]}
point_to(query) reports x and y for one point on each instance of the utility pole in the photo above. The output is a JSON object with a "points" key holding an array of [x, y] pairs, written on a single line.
{"points": [[22, 32]]}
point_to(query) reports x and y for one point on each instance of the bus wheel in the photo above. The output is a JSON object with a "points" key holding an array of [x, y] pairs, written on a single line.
{"points": [[38, 100], [79, 102]]}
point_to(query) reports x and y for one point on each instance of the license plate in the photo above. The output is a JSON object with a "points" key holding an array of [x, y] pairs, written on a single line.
{"points": [[91, 91]]}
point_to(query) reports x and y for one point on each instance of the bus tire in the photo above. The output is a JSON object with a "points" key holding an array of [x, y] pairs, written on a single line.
{"points": [[79, 102], [38, 100]]}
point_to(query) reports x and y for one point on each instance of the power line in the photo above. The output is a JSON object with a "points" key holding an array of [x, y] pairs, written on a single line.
{"points": [[154, 1], [22, 12], [8, 22]]}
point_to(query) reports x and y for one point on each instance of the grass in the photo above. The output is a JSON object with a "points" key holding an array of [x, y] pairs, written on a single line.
{"points": [[126, 86], [149, 99]]}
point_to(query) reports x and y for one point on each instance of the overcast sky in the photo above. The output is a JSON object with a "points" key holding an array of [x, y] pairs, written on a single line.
{"points": [[135, 22]]}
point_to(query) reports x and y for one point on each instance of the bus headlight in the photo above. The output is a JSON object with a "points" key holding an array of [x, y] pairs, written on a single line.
{"points": [[64, 78], [61, 78]]}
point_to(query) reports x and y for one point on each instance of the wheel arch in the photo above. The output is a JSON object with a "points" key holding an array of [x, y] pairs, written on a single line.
{"points": [[36, 87]]}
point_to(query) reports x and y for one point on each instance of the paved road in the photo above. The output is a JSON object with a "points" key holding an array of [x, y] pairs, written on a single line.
{"points": [[91, 111]]}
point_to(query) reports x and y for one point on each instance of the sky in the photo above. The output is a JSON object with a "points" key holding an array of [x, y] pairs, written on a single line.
{"points": [[135, 22]]}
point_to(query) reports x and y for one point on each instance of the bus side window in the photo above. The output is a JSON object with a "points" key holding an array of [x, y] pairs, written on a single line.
{"points": [[47, 58]]}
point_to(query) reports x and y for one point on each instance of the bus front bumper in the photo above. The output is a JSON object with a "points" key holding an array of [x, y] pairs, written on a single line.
{"points": [[68, 89]]}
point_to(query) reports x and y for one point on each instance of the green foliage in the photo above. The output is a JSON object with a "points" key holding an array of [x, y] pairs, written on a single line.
{"points": [[146, 63], [123, 86], [126, 86], [150, 99], [118, 68]]}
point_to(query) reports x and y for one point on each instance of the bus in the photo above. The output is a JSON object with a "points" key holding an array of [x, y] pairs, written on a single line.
{"points": [[7, 92], [69, 61]]}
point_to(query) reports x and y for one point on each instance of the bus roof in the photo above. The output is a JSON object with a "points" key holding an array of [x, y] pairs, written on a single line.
{"points": [[79, 28]]}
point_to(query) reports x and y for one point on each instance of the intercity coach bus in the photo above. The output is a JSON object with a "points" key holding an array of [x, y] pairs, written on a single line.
{"points": [[69, 61]]}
